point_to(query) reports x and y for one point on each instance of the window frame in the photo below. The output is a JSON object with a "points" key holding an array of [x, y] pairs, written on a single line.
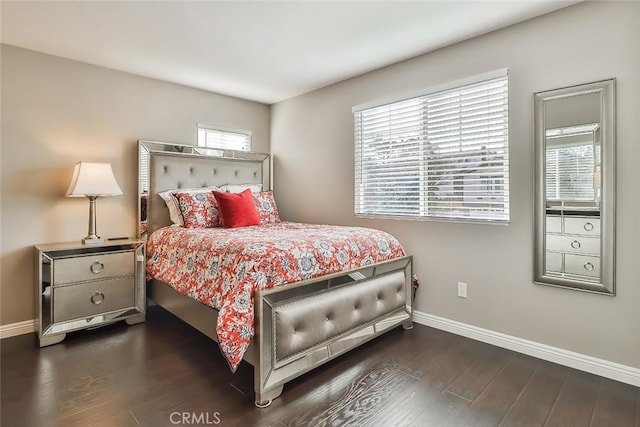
{"points": [[423, 191]]}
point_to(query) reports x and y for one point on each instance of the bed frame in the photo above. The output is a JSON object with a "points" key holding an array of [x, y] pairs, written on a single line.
{"points": [[299, 326]]}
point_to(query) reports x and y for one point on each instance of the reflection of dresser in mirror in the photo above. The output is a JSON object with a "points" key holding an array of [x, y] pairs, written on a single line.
{"points": [[573, 245], [572, 191]]}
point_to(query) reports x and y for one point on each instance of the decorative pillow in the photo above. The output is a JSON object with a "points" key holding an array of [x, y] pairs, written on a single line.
{"points": [[172, 205], [237, 209], [266, 207], [199, 210], [239, 188]]}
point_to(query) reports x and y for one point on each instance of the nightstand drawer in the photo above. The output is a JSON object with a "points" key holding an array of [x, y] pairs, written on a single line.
{"points": [[92, 298], [92, 267]]}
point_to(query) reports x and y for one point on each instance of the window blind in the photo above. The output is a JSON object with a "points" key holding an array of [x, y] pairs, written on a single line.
{"points": [[569, 173], [224, 139], [440, 155]]}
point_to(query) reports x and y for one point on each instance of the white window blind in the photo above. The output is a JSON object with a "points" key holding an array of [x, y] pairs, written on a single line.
{"points": [[225, 139], [569, 172], [440, 155]]}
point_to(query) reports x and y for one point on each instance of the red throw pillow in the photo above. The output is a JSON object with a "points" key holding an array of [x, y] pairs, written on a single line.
{"points": [[237, 209]]}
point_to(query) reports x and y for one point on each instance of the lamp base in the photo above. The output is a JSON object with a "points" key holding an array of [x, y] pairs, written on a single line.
{"points": [[92, 240]]}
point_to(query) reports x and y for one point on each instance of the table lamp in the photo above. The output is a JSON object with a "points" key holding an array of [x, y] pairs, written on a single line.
{"points": [[93, 180]]}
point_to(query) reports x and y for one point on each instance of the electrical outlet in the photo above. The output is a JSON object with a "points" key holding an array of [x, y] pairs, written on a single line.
{"points": [[462, 290]]}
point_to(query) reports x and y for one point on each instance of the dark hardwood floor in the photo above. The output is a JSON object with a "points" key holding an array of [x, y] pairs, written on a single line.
{"points": [[164, 373]]}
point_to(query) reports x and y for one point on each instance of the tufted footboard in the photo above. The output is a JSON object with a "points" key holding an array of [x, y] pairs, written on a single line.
{"points": [[305, 325]]}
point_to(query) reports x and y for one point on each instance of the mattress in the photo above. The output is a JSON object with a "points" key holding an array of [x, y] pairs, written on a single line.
{"points": [[223, 267]]}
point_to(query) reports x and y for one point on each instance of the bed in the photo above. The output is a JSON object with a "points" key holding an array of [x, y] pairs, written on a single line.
{"points": [[287, 329]]}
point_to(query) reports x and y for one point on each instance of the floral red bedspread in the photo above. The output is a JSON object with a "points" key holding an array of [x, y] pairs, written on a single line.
{"points": [[223, 267]]}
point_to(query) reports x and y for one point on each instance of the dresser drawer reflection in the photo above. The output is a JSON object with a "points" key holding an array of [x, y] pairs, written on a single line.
{"points": [[583, 226], [582, 265], [573, 244]]}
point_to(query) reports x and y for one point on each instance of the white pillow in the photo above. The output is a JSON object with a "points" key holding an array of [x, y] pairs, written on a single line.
{"points": [[172, 203], [239, 188]]}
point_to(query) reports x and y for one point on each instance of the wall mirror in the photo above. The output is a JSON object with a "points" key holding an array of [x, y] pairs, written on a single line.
{"points": [[575, 187]]}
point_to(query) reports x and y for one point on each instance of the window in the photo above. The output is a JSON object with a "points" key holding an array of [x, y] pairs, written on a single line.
{"points": [[225, 139], [570, 173], [572, 162], [439, 155]]}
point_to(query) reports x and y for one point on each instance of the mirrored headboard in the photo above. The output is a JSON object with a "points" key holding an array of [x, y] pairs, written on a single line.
{"points": [[575, 187], [166, 166]]}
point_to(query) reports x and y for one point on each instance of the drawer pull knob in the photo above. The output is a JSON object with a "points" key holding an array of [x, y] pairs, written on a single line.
{"points": [[589, 267], [98, 297], [588, 226], [575, 244], [97, 267]]}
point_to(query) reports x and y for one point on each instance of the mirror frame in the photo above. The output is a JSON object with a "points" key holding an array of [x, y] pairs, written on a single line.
{"points": [[606, 285]]}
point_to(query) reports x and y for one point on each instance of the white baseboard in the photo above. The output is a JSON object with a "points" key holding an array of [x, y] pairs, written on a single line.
{"points": [[604, 368], [20, 328]]}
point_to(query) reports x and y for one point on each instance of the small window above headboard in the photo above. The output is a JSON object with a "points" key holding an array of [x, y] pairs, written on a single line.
{"points": [[223, 138]]}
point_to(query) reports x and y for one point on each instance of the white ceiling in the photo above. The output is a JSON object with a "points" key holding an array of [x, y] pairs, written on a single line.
{"points": [[264, 51]]}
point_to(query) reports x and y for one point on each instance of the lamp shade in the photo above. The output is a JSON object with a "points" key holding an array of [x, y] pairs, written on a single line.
{"points": [[93, 179]]}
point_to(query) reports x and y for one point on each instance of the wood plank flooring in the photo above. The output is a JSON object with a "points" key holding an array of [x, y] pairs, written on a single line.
{"points": [[164, 373]]}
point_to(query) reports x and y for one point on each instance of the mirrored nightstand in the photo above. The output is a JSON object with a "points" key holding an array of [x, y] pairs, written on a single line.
{"points": [[83, 286]]}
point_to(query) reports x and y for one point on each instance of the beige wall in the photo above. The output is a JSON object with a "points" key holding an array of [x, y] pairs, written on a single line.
{"points": [[312, 146], [56, 112]]}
